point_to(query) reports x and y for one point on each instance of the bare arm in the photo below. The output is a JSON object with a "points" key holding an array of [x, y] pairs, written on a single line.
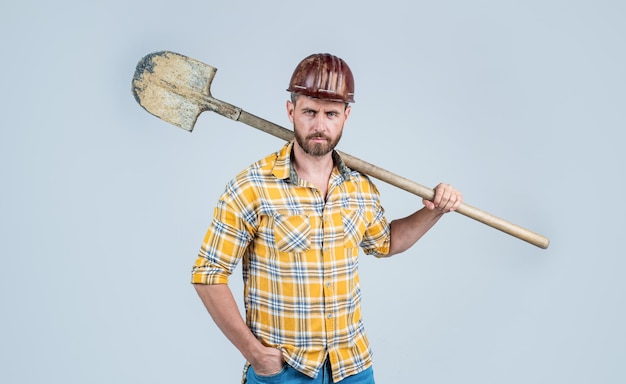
{"points": [[407, 231], [219, 301]]}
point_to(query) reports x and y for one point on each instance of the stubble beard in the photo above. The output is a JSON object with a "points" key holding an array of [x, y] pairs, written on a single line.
{"points": [[316, 149]]}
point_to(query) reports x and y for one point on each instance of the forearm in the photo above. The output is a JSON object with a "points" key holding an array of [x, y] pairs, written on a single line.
{"points": [[407, 231], [219, 301]]}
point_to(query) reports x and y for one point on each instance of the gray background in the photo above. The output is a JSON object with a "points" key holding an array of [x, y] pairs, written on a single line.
{"points": [[519, 104]]}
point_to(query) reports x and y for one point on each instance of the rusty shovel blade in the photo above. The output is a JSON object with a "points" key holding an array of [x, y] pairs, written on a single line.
{"points": [[177, 89]]}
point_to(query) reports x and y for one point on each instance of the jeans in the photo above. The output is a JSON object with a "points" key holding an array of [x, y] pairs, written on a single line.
{"points": [[292, 376]]}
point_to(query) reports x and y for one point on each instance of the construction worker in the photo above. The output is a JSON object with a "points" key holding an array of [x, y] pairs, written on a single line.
{"points": [[296, 220]]}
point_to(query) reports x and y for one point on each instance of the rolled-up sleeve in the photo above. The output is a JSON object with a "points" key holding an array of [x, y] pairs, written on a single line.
{"points": [[225, 243], [377, 238]]}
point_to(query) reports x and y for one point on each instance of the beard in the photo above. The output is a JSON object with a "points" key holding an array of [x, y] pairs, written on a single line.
{"points": [[316, 149]]}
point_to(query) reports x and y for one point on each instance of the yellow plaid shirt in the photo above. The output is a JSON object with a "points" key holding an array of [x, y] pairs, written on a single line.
{"points": [[300, 255]]}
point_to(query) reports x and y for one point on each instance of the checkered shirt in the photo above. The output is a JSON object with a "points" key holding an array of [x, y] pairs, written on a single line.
{"points": [[300, 253]]}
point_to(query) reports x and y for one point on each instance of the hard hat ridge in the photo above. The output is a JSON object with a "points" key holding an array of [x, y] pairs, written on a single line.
{"points": [[323, 76]]}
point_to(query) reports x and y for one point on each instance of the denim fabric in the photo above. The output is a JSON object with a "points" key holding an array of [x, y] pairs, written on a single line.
{"points": [[292, 376]]}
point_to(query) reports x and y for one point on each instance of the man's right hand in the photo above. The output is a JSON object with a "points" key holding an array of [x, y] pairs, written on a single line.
{"points": [[219, 301], [268, 362]]}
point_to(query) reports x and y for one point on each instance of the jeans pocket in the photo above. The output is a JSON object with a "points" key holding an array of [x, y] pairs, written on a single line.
{"points": [[276, 378]]}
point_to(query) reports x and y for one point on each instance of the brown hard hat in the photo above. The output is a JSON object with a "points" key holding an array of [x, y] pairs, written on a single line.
{"points": [[323, 76]]}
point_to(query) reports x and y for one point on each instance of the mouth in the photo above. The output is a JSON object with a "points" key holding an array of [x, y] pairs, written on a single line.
{"points": [[317, 138]]}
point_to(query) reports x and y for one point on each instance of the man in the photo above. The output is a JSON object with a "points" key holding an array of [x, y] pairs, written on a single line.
{"points": [[296, 220]]}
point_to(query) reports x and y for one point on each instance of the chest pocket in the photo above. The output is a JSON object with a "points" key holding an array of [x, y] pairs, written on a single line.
{"points": [[354, 226], [292, 233]]}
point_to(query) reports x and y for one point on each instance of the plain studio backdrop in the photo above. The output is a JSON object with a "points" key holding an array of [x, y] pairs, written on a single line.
{"points": [[103, 207]]}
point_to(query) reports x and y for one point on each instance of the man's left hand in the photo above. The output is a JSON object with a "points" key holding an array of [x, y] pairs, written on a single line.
{"points": [[447, 199]]}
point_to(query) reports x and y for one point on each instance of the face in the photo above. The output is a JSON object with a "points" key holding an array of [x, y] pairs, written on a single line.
{"points": [[317, 124]]}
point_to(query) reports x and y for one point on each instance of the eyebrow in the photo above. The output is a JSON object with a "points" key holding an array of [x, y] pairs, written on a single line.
{"points": [[331, 110]]}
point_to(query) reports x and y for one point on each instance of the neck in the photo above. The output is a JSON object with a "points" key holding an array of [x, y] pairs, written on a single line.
{"points": [[314, 169]]}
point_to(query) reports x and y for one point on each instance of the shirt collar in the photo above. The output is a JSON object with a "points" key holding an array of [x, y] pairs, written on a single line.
{"points": [[283, 167]]}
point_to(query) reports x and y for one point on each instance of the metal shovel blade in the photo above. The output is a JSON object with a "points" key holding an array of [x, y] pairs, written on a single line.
{"points": [[176, 88]]}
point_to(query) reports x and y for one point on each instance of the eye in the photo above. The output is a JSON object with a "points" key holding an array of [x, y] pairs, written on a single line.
{"points": [[332, 114]]}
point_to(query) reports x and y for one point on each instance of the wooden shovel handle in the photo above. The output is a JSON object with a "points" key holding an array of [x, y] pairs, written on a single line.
{"points": [[405, 184], [428, 194], [176, 88]]}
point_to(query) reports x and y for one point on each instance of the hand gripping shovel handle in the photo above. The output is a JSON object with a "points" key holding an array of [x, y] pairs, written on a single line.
{"points": [[176, 89]]}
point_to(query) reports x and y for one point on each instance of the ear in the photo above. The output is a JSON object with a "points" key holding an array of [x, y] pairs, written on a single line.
{"points": [[347, 112], [290, 110]]}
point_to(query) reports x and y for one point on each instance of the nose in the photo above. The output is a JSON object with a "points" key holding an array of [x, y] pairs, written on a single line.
{"points": [[319, 124]]}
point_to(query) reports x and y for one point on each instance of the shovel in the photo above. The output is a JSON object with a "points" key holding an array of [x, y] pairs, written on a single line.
{"points": [[177, 89]]}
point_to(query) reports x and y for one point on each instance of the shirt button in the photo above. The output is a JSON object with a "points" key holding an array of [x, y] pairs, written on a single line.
{"points": [[329, 316]]}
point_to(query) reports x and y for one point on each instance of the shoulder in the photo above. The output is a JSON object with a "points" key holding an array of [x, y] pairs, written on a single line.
{"points": [[259, 169], [354, 180], [361, 183], [245, 184]]}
